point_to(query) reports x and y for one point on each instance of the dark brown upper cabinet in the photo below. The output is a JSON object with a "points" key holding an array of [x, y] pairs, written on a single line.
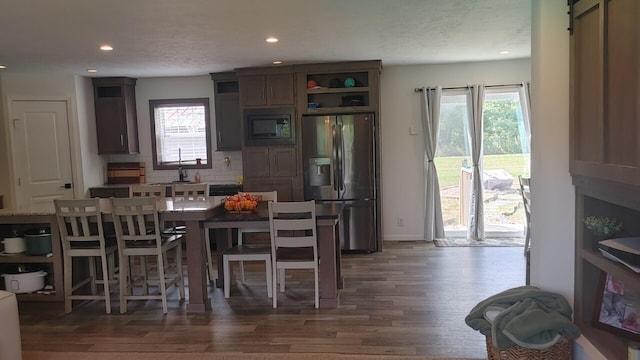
{"points": [[116, 118], [226, 92], [605, 87], [266, 87]]}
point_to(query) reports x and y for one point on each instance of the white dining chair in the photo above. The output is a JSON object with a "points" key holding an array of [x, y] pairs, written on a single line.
{"points": [[294, 243], [82, 236], [180, 191], [137, 225], [142, 190]]}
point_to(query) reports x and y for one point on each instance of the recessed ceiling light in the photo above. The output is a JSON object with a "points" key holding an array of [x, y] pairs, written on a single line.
{"points": [[3, 66], [106, 48], [277, 62], [92, 70], [271, 39], [503, 52]]}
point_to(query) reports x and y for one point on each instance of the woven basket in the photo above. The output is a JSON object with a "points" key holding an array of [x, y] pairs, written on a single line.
{"points": [[562, 350]]}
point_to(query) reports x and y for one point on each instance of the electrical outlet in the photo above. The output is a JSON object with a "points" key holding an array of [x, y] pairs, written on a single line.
{"points": [[400, 221]]}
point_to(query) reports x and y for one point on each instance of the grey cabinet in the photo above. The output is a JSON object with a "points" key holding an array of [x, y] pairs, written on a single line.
{"points": [[116, 118]]}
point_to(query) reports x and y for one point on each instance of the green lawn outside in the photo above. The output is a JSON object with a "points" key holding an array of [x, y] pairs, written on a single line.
{"points": [[449, 166]]}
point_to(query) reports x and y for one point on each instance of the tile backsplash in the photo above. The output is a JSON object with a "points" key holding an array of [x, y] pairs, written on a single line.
{"points": [[222, 172]]}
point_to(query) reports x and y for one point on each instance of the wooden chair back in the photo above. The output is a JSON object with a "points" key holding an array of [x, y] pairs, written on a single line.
{"points": [[80, 223], [190, 191], [146, 190]]}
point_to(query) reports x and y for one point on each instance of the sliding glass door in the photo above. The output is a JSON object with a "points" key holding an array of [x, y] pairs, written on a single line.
{"points": [[506, 152]]}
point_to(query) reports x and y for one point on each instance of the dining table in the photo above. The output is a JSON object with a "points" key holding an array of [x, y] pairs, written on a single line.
{"points": [[328, 217], [192, 213]]}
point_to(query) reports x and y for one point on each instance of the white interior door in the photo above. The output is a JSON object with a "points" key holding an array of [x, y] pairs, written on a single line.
{"points": [[41, 151]]}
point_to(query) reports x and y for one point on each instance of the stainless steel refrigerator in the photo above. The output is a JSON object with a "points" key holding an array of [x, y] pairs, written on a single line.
{"points": [[340, 165]]}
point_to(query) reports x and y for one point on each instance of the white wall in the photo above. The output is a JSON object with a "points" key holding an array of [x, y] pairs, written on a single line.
{"points": [[403, 154], [20, 86], [5, 184], [178, 88]]}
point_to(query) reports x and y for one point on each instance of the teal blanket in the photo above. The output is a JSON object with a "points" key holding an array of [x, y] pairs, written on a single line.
{"points": [[525, 316]]}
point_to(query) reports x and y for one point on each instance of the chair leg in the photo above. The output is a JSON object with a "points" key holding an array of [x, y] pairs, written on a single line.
{"points": [[68, 276], [527, 239], [105, 285], [124, 282], [268, 269], [145, 274], [179, 270], [241, 269], [281, 275], [227, 276], [93, 275], [274, 282], [162, 284], [317, 295], [209, 260]]}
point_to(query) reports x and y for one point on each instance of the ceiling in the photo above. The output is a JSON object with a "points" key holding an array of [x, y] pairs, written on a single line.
{"points": [[155, 38]]}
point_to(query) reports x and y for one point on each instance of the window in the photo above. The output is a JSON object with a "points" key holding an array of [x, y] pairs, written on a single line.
{"points": [[181, 133]]}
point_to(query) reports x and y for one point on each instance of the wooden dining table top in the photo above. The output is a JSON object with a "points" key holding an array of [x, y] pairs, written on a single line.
{"points": [[261, 213], [165, 205]]}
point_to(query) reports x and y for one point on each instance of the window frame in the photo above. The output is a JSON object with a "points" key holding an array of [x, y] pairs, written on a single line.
{"points": [[153, 104]]}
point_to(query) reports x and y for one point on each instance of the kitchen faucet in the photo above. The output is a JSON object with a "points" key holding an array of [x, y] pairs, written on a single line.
{"points": [[182, 173]]}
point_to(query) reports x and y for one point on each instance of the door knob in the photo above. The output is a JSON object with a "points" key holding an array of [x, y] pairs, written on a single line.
{"points": [[66, 186]]}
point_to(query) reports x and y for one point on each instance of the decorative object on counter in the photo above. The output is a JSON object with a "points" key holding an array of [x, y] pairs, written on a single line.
{"points": [[602, 227], [126, 173], [311, 84], [227, 161], [197, 177], [244, 202], [349, 82], [38, 241]]}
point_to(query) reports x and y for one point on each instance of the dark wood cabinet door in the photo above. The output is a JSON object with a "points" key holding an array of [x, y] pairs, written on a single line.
{"points": [[282, 185], [255, 161], [110, 126], [280, 89], [116, 117], [253, 90], [283, 161], [228, 133], [605, 86]]}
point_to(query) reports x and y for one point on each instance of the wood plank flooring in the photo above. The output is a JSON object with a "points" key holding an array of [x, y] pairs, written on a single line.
{"points": [[410, 299]]}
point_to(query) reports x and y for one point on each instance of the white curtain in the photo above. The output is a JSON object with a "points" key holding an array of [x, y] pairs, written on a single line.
{"points": [[475, 99], [430, 106], [525, 104]]}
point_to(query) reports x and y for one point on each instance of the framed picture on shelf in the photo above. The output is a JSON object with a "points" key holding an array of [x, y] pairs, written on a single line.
{"points": [[617, 309]]}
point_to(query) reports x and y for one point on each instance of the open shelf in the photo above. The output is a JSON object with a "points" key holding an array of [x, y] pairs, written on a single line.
{"points": [[24, 258], [326, 90]]}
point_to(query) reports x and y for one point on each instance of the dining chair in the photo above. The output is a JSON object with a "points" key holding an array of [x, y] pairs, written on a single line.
{"points": [[180, 191], [294, 243], [525, 191], [82, 236], [142, 190], [245, 252], [137, 226]]}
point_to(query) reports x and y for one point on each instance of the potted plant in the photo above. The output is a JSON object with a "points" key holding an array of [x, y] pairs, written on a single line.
{"points": [[602, 227]]}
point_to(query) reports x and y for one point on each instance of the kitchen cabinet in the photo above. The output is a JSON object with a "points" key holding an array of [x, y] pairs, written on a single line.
{"points": [[604, 147], [269, 161], [343, 87], [269, 168], [605, 83], [226, 93], [116, 118], [19, 221], [266, 86]]}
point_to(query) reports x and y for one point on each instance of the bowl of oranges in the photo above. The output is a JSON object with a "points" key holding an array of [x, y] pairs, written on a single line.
{"points": [[241, 203]]}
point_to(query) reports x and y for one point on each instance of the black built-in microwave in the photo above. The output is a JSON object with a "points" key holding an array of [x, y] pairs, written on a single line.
{"points": [[272, 126]]}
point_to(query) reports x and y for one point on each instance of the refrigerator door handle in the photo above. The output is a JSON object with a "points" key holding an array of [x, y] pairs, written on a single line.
{"points": [[334, 154], [341, 159]]}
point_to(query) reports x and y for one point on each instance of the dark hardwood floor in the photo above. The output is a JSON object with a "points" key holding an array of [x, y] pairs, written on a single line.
{"points": [[410, 299]]}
